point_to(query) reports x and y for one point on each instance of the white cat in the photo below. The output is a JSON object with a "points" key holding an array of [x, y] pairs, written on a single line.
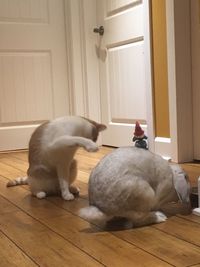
{"points": [[52, 167]]}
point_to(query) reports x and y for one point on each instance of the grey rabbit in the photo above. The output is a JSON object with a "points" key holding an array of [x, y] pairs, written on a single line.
{"points": [[134, 183]]}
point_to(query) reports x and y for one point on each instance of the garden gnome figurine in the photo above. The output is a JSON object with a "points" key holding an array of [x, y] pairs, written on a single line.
{"points": [[139, 137]]}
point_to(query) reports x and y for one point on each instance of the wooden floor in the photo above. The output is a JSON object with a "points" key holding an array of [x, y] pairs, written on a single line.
{"points": [[49, 232]]}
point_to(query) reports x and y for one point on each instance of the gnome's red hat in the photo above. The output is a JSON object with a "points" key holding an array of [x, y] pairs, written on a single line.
{"points": [[138, 130]]}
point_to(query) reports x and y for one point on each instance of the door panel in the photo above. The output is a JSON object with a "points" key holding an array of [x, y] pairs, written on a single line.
{"points": [[28, 11], [125, 99], [33, 68], [114, 6], [124, 27], [122, 70], [25, 78]]}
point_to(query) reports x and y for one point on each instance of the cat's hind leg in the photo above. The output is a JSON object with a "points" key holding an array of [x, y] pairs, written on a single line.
{"points": [[43, 182]]}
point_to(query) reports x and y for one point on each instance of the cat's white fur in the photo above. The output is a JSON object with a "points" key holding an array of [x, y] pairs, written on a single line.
{"points": [[52, 167], [134, 183]]}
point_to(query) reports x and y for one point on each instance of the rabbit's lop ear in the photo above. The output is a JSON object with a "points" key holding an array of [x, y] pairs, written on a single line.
{"points": [[182, 186]]}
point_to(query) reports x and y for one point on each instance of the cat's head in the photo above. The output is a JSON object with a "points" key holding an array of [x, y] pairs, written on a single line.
{"points": [[96, 129]]}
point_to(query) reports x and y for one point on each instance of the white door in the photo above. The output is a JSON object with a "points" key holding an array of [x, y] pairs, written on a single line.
{"points": [[124, 55], [195, 48], [33, 68]]}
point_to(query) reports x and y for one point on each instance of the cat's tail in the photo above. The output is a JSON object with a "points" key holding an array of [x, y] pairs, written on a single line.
{"points": [[67, 141], [18, 181], [93, 215]]}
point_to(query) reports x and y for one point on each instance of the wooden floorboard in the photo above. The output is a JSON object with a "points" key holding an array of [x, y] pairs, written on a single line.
{"points": [[40, 243], [49, 232], [11, 255]]}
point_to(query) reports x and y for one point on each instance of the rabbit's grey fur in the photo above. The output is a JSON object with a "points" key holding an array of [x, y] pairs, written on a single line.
{"points": [[134, 183]]}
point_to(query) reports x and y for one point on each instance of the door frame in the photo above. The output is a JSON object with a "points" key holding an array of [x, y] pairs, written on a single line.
{"points": [[149, 77], [179, 79]]}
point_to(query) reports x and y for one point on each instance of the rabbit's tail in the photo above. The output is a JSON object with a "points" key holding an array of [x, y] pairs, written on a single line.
{"points": [[93, 215]]}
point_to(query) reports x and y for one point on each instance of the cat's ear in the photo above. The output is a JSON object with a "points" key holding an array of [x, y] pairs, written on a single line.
{"points": [[101, 127]]}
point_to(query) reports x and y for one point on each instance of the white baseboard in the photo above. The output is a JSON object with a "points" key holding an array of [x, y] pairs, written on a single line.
{"points": [[196, 211], [16, 137], [163, 147]]}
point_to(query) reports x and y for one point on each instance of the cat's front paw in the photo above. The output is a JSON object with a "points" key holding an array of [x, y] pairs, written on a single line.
{"points": [[91, 147], [67, 196]]}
